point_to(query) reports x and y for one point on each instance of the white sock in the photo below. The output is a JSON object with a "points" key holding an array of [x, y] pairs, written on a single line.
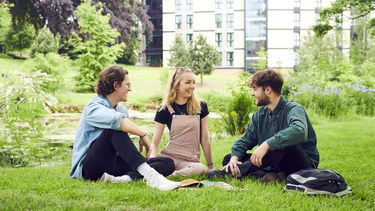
{"points": [[155, 179], [124, 178], [144, 169]]}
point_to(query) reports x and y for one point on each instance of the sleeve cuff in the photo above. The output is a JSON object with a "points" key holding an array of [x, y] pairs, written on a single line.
{"points": [[117, 122], [237, 155], [271, 144]]}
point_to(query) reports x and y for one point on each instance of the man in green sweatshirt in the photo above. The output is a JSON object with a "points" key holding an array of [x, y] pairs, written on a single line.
{"points": [[282, 130]]}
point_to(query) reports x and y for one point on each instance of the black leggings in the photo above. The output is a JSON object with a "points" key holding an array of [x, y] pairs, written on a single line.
{"points": [[115, 153], [289, 160]]}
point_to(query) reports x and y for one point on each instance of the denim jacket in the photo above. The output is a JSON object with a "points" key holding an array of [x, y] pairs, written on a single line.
{"points": [[97, 115]]}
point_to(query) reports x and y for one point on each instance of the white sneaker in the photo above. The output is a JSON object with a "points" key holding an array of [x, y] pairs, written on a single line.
{"points": [[112, 179], [156, 180]]}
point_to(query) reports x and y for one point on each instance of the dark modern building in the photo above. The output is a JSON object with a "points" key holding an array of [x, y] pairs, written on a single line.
{"points": [[154, 49]]}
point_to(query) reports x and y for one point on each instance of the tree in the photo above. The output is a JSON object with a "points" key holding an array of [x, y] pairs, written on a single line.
{"points": [[96, 43], [261, 63], [337, 8], [129, 17], [129, 55], [45, 42], [5, 24], [203, 57], [20, 37], [179, 56]]}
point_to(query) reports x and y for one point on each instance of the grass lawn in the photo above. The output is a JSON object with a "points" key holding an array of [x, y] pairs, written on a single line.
{"points": [[346, 146], [146, 82]]}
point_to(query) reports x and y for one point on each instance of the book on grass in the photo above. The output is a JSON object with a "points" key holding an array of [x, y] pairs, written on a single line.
{"points": [[192, 183]]}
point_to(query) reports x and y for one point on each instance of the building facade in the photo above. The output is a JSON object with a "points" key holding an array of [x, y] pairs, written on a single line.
{"points": [[239, 29], [154, 49]]}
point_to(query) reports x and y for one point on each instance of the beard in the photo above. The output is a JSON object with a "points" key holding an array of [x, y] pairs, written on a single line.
{"points": [[263, 100]]}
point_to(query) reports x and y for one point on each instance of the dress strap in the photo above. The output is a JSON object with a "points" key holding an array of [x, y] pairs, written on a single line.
{"points": [[170, 109]]}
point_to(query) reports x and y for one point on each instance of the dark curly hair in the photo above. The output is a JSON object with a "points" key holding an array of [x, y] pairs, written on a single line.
{"points": [[267, 77], [107, 78]]}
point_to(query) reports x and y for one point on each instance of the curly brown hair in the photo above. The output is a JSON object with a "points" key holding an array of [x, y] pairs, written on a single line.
{"points": [[269, 78], [107, 78]]}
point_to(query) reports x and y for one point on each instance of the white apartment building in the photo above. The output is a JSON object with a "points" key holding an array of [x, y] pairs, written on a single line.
{"points": [[239, 28]]}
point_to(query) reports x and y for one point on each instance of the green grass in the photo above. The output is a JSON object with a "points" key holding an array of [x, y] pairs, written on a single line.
{"points": [[146, 83], [346, 146]]}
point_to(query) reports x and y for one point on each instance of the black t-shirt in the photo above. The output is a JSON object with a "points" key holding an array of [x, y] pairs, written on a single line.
{"points": [[164, 117]]}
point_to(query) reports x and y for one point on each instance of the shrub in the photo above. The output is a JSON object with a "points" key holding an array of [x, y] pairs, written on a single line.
{"points": [[360, 98], [216, 101], [322, 101], [237, 114], [22, 105], [54, 66], [45, 42]]}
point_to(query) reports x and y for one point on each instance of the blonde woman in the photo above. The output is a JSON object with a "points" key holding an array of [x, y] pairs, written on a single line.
{"points": [[186, 118]]}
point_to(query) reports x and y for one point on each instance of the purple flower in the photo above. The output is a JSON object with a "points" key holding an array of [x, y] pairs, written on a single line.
{"points": [[337, 91], [2, 75], [309, 87], [363, 87], [6, 76], [365, 90], [371, 90], [347, 85], [357, 89]]}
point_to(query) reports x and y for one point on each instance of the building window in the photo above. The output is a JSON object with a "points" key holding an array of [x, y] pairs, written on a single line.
{"points": [[221, 59], [189, 21], [178, 21], [189, 4], [230, 20], [296, 19], [296, 39], [297, 3], [318, 3], [230, 39], [230, 4], [218, 20], [218, 39], [218, 4], [230, 58], [189, 39], [178, 4]]}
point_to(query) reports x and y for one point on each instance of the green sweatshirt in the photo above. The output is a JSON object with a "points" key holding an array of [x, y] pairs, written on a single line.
{"points": [[287, 125]]}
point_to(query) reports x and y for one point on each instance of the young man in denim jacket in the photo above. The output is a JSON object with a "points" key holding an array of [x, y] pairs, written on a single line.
{"points": [[102, 147]]}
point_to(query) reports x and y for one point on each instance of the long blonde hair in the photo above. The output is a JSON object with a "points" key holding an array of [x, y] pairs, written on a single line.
{"points": [[193, 103]]}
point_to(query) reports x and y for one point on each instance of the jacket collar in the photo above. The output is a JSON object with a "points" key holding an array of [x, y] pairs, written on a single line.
{"points": [[108, 104], [278, 108]]}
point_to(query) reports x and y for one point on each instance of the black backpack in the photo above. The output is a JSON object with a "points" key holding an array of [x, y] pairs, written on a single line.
{"points": [[317, 181]]}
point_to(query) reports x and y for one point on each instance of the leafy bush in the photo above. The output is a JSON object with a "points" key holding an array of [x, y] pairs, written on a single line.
{"points": [[215, 101], [237, 114], [45, 42], [54, 66], [22, 105], [360, 98], [322, 101]]}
